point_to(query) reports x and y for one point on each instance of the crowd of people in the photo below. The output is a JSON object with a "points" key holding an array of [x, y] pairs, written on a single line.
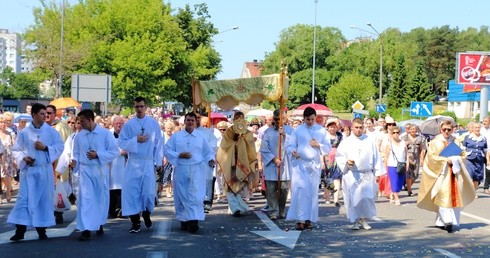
{"points": [[117, 167]]}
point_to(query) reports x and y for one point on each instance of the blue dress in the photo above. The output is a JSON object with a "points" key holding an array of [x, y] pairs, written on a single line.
{"points": [[476, 147]]}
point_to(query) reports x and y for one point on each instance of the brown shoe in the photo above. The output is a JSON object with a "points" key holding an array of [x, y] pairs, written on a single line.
{"points": [[308, 225], [300, 226]]}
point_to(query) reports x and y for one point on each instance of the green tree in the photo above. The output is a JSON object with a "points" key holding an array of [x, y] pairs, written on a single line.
{"points": [[420, 85], [350, 88], [148, 51], [22, 85], [398, 94]]}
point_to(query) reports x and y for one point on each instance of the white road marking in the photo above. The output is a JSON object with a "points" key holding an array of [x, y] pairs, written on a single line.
{"points": [[475, 217], [285, 238], [446, 253], [162, 228], [154, 254], [32, 234]]}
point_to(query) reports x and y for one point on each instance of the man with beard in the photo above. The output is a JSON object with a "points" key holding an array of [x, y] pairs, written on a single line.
{"points": [[274, 160]]}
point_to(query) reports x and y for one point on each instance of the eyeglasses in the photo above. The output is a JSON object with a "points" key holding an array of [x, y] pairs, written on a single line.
{"points": [[395, 132], [446, 129]]}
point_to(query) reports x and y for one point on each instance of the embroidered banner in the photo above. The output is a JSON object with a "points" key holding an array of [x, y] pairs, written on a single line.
{"points": [[227, 94]]}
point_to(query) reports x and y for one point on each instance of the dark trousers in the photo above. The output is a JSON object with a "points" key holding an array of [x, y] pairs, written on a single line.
{"points": [[486, 184], [209, 199], [277, 203], [114, 202]]}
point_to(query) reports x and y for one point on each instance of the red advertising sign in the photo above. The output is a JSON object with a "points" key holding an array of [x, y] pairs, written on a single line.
{"points": [[471, 87], [473, 68]]}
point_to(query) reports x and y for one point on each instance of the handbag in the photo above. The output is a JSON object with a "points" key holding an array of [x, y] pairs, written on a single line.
{"points": [[401, 167], [60, 201]]}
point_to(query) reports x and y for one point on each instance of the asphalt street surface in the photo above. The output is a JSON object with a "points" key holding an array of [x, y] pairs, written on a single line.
{"points": [[398, 231]]}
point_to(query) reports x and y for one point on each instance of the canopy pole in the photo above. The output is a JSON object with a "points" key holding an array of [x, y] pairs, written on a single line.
{"points": [[281, 129]]}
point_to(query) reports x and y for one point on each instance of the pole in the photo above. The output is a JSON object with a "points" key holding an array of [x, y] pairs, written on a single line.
{"points": [[281, 115], [60, 79], [314, 59], [380, 70], [483, 102]]}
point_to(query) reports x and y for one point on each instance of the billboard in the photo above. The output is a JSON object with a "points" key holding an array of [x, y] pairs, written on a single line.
{"points": [[91, 87], [473, 68], [471, 87]]}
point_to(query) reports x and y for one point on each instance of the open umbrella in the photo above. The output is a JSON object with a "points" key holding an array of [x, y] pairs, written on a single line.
{"points": [[217, 117], [64, 103], [259, 112], [321, 110], [431, 126]]}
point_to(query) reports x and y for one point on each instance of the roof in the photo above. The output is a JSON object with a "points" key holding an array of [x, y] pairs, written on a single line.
{"points": [[253, 68]]}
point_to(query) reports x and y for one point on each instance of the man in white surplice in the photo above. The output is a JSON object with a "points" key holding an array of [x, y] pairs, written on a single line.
{"points": [[191, 154], [93, 150], [359, 160], [142, 139], [208, 133], [116, 172], [308, 144], [35, 150]]}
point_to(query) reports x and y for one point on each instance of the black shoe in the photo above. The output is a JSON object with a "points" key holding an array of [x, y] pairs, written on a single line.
{"points": [[58, 217], [193, 226], [135, 228], [84, 236], [17, 237], [449, 228], [337, 204], [146, 218], [100, 232], [42, 233], [237, 214], [184, 226]]}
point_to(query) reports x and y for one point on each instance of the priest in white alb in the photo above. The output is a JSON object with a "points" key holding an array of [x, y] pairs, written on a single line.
{"points": [[94, 149], [192, 156], [307, 145], [142, 139], [35, 150], [360, 162]]}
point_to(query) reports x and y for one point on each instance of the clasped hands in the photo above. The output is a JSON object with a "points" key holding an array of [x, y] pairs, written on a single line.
{"points": [[142, 138], [350, 163], [38, 145]]}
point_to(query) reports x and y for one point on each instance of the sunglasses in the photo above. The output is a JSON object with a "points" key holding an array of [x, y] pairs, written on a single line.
{"points": [[69, 122], [446, 129], [139, 106], [49, 113], [395, 132], [222, 130], [390, 124]]}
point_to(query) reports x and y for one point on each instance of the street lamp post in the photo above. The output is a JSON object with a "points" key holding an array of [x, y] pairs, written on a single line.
{"points": [[314, 59], [234, 28], [380, 57], [380, 63]]}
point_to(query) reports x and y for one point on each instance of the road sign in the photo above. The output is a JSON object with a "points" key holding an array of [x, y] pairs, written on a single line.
{"points": [[357, 105], [357, 115], [420, 108], [360, 111], [380, 108]]}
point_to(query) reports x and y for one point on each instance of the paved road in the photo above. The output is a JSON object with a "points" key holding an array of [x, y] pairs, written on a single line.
{"points": [[398, 231]]}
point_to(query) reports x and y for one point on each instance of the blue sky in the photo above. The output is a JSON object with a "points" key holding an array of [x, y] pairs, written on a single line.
{"points": [[260, 22]]}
